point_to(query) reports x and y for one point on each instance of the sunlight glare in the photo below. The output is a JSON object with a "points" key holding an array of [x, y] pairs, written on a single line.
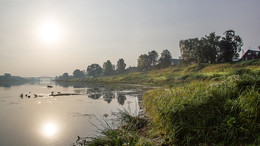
{"points": [[50, 32], [49, 129]]}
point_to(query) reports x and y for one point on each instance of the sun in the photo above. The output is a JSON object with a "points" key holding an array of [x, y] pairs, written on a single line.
{"points": [[50, 32]]}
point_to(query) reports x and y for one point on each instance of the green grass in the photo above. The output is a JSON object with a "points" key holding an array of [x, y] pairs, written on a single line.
{"points": [[126, 134], [202, 104], [179, 75], [225, 113]]}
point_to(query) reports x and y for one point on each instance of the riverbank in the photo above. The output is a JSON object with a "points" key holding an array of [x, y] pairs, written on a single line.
{"points": [[176, 75], [199, 105]]}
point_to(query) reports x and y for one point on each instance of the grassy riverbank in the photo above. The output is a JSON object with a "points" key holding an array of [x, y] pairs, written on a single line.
{"points": [[201, 105], [178, 75]]}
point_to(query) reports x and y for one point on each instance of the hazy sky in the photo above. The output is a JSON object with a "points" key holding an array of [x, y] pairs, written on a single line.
{"points": [[94, 31]]}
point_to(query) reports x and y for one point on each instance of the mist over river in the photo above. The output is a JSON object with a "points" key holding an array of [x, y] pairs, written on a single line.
{"points": [[58, 114]]}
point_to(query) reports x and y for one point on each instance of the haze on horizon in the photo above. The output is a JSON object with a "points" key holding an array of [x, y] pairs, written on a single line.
{"points": [[50, 37]]}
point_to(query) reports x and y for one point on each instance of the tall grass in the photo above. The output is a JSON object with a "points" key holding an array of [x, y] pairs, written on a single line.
{"points": [[202, 113], [125, 134]]}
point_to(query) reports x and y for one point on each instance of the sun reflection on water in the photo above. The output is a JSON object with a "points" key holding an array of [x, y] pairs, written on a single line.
{"points": [[49, 129]]}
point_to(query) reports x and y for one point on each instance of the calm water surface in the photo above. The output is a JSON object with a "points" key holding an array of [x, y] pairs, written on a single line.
{"points": [[48, 120]]}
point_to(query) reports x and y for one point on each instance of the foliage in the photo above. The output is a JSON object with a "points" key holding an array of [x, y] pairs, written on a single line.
{"points": [[189, 50], [125, 135], [153, 58], [131, 122], [230, 45], [208, 114], [108, 68], [211, 49], [147, 62], [121, 66], [143, 62], [78, 74], [94, 70], [165, 59]]}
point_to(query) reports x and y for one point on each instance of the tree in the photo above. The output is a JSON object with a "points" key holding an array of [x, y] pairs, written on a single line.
{"points": [[165, 59], [78, 74], [94, 70], [230, 46], [65, 75], [189, 50], [143, 62], [108, 68], [153, 58], [209, 46], [121, 66]]}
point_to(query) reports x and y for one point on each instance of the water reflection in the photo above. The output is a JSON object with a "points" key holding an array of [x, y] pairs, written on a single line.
{"points": [[49, 129], [57, 120], [121, 99], [108, 96]]}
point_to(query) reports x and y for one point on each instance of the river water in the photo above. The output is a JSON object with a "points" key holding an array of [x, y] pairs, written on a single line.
{"points": [[44, 120]]}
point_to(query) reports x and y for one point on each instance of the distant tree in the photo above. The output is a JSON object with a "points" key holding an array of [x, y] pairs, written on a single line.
{"points": [[65, 75], [108, 68], [130, 69], [209, 48], [94, 70], [230, 46], [153, 58], [78, 74], [143, 62], [121, 66], [165, 59], [189, 50]]}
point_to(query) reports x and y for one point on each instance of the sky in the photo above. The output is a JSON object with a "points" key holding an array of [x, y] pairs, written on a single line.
{"points": [[51, 37]]}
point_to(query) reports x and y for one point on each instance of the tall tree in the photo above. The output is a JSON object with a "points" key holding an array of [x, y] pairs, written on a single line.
{"points": [[121, 65], [78, 74], [143, 62], [153, 58], [165, 59], [94, 70], [108, 68], [230, 46], [209, 48], [189, 50]]}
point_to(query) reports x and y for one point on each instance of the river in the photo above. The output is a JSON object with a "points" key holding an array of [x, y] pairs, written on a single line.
{"points": [[44, 120]]}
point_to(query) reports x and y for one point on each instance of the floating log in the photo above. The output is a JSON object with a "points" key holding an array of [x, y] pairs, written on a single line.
{"points": [[64, 94]]}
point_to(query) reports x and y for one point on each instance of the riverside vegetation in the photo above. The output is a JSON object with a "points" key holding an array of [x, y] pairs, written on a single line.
{"points": [[201, 104]]}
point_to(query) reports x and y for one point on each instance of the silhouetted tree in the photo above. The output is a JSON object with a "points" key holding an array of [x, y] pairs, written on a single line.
{"points": [[153, 58], [230, 46], [78, 74], [108, 68], [189, 50], [209, 46], [143, 62], [165, 59], [94, 70], [121, 65]]}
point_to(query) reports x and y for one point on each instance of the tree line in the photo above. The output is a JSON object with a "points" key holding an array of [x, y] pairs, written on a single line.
{"points": [[211, 48], [145, 62]]}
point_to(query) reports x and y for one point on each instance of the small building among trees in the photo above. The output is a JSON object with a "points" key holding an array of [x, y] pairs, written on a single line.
{"points": [[251, 55]]}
